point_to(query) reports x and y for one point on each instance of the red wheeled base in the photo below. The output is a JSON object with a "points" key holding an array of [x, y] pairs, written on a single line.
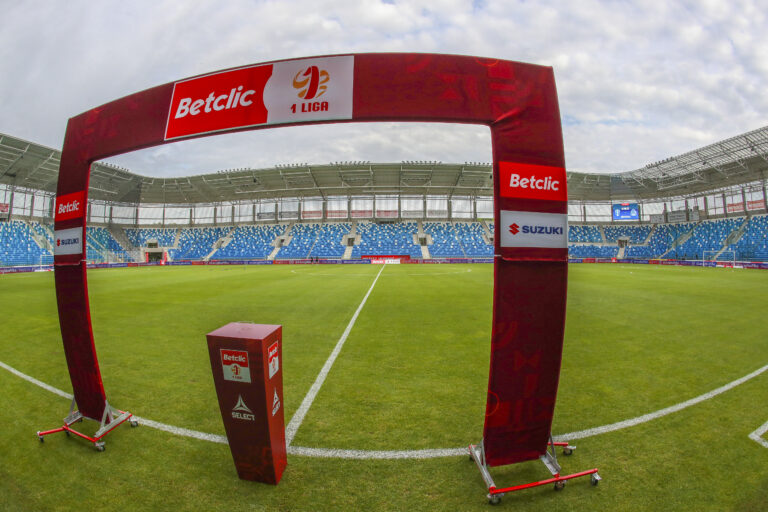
{"points": [[111, 419], [477, 453]]}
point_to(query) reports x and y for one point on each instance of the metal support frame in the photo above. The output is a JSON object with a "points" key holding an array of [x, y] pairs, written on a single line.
{"points": [[549, 458], [111, 419]]}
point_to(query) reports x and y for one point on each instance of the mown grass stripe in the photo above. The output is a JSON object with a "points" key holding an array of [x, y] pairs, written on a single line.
{"points": [[301, 412]]}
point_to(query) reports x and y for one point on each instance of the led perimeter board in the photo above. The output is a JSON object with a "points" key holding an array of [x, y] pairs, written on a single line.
{"points": [[517, 101]]}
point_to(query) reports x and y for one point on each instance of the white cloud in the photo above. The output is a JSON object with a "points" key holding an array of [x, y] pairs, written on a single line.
{"points": [[637, 81]]}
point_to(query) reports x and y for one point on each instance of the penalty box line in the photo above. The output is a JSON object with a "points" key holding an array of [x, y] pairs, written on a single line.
{"points": [[301, 412]]}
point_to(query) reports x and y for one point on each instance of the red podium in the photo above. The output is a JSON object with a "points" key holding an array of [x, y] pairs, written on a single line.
{"points": [[247, 372]]}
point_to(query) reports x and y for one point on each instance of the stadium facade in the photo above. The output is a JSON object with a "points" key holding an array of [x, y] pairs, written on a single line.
{"points": [[706, 204]]}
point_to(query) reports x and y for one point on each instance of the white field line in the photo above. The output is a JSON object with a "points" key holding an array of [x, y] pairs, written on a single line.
{"points": [[756, 436], [581, 434], [431, 453], [301, 412], [55, 391]]}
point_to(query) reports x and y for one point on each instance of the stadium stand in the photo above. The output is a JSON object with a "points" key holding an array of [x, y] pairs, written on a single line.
{"points": [[635, 234], [471, 238], [250, 242], [25, 242], [593, 251], [329, 241], [196, 243], [101, 246], [18, 246], [140, 236], [303, 237], [706, 236], [445, 240], [392, 239], [584, 234]]}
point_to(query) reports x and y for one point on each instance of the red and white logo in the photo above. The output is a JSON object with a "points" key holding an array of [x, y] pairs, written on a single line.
{"points": [[281, 92], [273, 359], [70, 206], [234, 364], [528, 181], [220, 101], [514, 228]]}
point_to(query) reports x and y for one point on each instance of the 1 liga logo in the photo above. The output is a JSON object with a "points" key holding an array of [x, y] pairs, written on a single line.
{"points": [[310, 82]]}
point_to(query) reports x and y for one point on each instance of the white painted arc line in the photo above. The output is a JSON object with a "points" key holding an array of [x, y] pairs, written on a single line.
{"points": [[428, 453], [330, 453], [301, 412], [47, 387], [757, 435], [581, 434]]}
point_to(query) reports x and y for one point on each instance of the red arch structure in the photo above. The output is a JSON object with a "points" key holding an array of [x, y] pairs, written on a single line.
{"points": [[517, 101]]}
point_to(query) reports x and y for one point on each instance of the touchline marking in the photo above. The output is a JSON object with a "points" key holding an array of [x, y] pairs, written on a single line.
{"points": [[429, 453], [757, 435], [301, 412]]}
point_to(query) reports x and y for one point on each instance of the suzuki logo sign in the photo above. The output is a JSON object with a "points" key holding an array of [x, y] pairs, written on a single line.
{"points": [[531, 229]]}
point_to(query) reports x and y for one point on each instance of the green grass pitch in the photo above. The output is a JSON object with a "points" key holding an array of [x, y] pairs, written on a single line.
{"points": [[412, 375]]}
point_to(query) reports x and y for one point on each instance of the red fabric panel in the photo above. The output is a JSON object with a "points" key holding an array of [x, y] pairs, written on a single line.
{"points": [[75, 322], [529, 292], [528, 326], [446, 88]]}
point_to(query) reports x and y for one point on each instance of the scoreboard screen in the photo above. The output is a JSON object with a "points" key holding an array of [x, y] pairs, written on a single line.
{"points": [[626, 211]]}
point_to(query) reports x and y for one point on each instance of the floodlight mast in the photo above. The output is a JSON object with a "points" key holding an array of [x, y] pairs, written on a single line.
{"points": [[517, 101]]}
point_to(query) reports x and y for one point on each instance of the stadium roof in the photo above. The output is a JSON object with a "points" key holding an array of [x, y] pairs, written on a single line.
{"points": [[736, 161]]}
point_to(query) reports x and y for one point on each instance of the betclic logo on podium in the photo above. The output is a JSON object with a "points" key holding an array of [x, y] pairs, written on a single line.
{"points": [[234, 365]]}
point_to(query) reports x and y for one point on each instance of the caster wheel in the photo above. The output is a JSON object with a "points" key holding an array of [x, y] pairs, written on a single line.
{"points": [[567, 450], [41, 439], [100, 448], [595, 479], [134, 423], [559, 486], [66, 433], [494, 500]]}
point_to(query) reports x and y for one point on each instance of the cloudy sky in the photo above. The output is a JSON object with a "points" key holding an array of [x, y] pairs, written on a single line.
{"points": [[638, 81]]}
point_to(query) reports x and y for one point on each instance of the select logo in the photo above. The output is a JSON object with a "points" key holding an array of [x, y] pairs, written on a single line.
{"points": [[275, 403], [241, 411], [527, 181], [70, 206], [68, 241], [532, 229]]}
